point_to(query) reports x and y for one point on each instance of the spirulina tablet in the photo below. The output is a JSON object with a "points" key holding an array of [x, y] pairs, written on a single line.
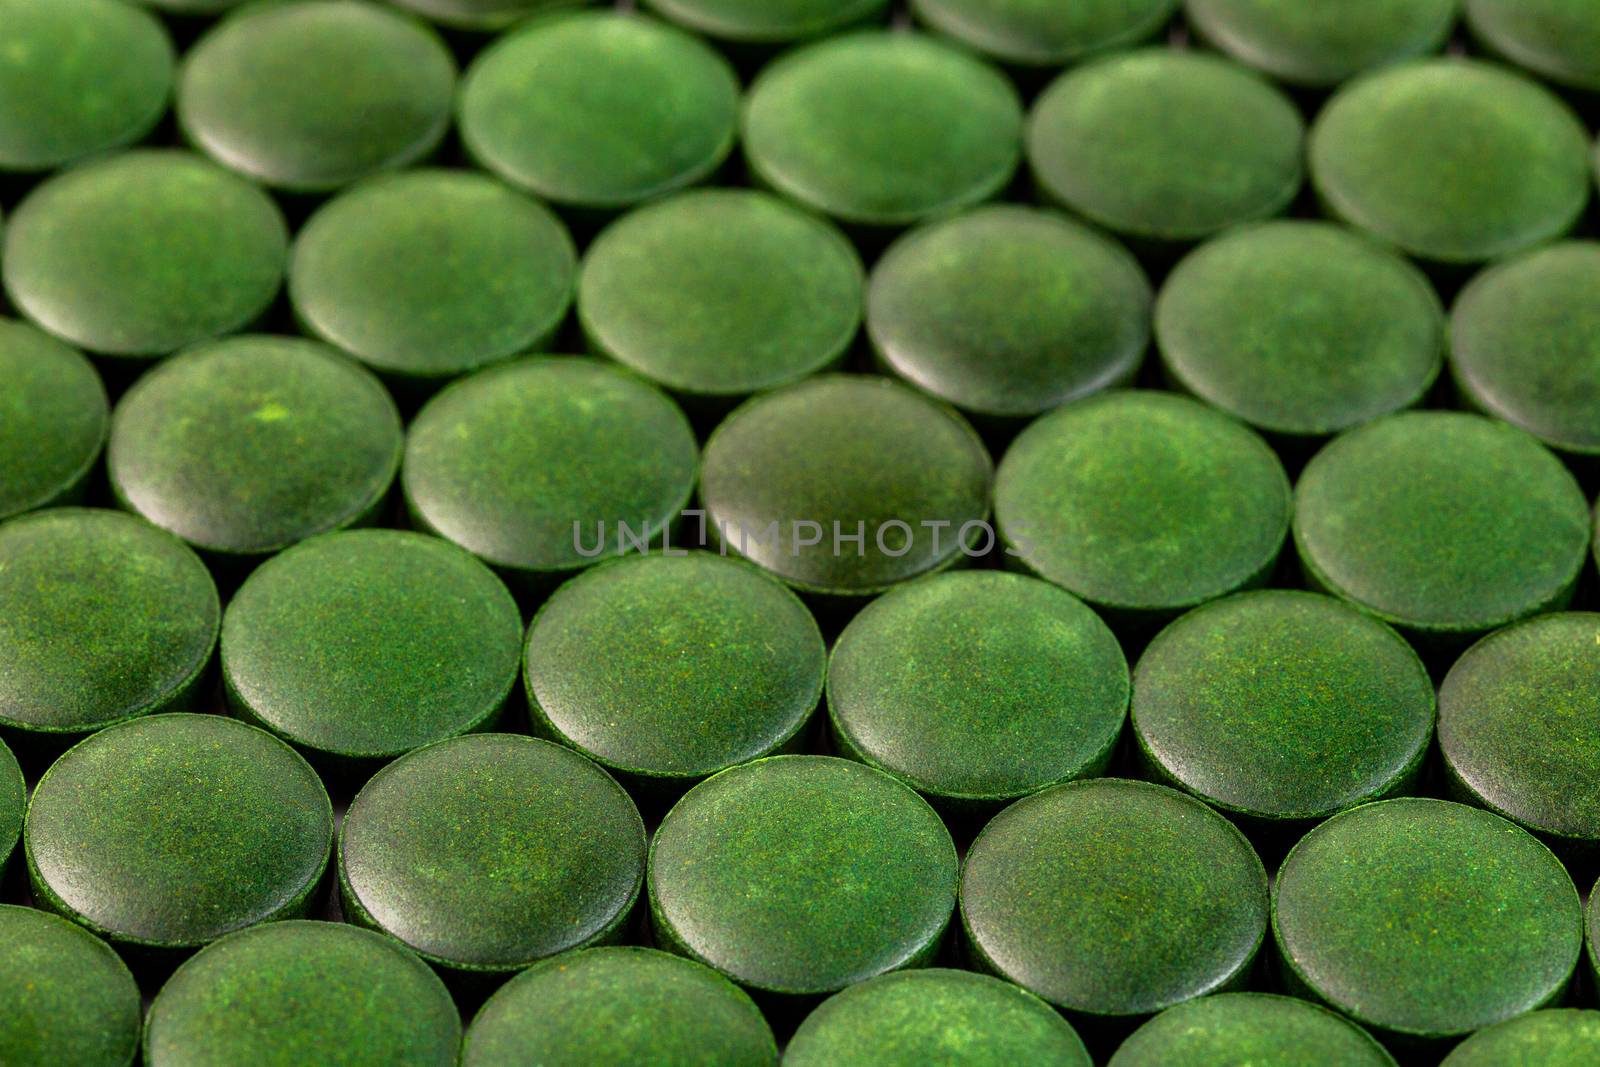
{"points": [[1250, 1028], [1555, 1037], [13, 804], [1556, 39], [1045, 33], [480, 16], [65, 996], [53, 420], [775, 22]]}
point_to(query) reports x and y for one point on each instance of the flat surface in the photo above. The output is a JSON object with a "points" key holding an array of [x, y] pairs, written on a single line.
{"points": [[1044, 33], [53, 419], [1559, 1037], [1557, 39], [1318, 45], [65, 997], [1231, 1029]]}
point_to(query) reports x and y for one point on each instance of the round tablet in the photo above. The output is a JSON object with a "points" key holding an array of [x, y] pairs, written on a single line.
{"points": [[1425, 918], [1044, 33], [143, 253], [1451, 160], [882, 129], [1009, 311], [1525, 343], [1316, 46], [370, 643], [1477, 523], [245, 446], [674, 667], [188, 8], [53, 419], [245, 998], [540, 466], [977, 687], [773, 22], [431, 274], [846, 485], [1164, 145], [1555, 39], [481, 16], [309, 95], [1114, 898], [1282, 705], [917, 1017], [65, 997], [1145, 503], [13, 804], [1247, 1028], [1557, 1037], [488, 852], [598, 109], [802, 875], [78, 77], [619, 1005], [172, 830], [1591, 923], [1301, 329], [720, 293], [106, 618]]}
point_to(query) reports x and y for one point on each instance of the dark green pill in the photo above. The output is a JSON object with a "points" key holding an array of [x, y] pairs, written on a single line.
{"points": [[1236, 1029], [144, 253], [1591, 923], [1555, 39], [770, 22], [978, 687], [1555, 1037], [543, 465], [882, 129], [309, 95], [1451, 160], [1114, 898], [847, 485], [599, 110], [720, 293], [1166, 146], [246, 446], [480, 15], [1144, 503], [13, 804], [1321, 45], [53, 419], [1525, 343], [673, 667], [1301, 329], [1009, 311], [802, 875], [918, 1017], [431, 274], [486, 853], [1426, 919], [193, 7], [78, 77], [1476, 523], [367, 644], [106, 618], [619, 1005], [1045, 33], [285, 994], [172, 830], [65, 996]]}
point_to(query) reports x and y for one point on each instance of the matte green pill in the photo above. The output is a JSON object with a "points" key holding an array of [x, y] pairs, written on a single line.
{"points": [[1321, 45], [1143, 503], [13, 804], [65, 997], [599, 110], [882, 129], [1555, 39], [106, 618], [543, 465], [772, 22], [431, 274], [671, 668], [1114, 898], [1301, 329], [309, 95], [250, 997], [193, 7], [78, 77], [1045, 33], [802, 875], [1009, 311], [1591, 939], [1426, 919], [1476, 524], [480, 15], [1166, 146], [169, 831], [846, 485], [1279, 705], [144, 253], [1451, 160], [912, 1018], [1250, 1028], [246, 446], [978, 687], [619, 1005], [719, 293], [486, 853], [1556, 1037], [53, 419]]}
